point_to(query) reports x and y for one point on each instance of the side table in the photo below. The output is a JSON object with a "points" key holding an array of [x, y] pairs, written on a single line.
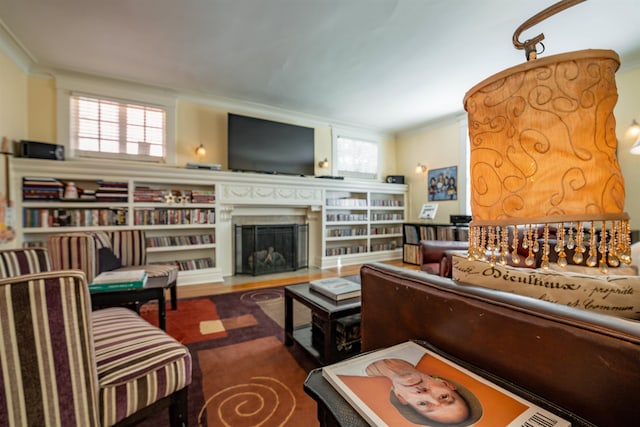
{"points": [[328, 312]]}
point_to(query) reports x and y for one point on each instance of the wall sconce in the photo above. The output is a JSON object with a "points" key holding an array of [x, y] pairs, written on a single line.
{"points": [[323, 163], [635, 148], [201, 151], [421, 168], [634, 129]]}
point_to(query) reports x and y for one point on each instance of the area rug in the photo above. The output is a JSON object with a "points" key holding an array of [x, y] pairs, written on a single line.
{"points": [[243, 375]]}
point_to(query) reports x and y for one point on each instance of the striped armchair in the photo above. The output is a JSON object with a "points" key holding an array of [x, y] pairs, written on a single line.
{"points": [[81, 251], [15, 262], [64, 365]]}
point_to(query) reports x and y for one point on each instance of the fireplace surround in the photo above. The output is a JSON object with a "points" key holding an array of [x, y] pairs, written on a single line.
{"points": [[270, 248]]}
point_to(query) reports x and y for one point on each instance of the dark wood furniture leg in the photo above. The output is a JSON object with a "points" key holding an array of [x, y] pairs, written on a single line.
{"points": [[288, 319]]}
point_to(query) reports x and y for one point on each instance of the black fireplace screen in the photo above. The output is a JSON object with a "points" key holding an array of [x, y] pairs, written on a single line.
{"points": [[266, 249]]}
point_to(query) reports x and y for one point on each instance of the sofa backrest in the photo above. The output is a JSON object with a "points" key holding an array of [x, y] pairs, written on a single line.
{"points": [[48, 369], [585, 362]]}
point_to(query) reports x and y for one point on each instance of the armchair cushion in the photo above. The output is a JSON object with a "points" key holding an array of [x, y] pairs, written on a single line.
{"points": [[137, 363]]}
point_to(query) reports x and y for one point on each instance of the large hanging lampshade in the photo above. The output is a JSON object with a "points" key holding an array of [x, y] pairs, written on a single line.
{"points": [[543, 157]]}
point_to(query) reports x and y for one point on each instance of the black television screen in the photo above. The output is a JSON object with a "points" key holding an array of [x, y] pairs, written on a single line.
{"points": [[258, 145]]}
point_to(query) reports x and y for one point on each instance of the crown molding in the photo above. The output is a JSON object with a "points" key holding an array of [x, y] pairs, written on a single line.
{"points": [[11, 46]]}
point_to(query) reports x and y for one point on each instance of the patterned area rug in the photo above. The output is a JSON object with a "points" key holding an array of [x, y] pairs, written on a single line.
{"points": [[243, 375]]}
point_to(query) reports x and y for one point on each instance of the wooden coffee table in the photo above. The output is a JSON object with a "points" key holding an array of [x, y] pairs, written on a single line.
{"points": [[326, 310]]}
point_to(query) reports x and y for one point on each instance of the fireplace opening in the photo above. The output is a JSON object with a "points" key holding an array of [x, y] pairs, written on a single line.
{"points": [[267, 249]]}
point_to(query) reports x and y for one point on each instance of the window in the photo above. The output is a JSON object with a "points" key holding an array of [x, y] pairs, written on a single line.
{"points": [[357, 158], [107, 128]]}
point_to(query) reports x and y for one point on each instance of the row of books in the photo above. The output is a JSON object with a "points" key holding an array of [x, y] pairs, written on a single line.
{"points": [[359, 249], [34, 217], [386, 230], [412, 254], [202, 196], [347, 202], [146, 194], [346, 217], [362, 203], [346, 231], [163, 241], [387, 216], [387, 203], [171, 216], [346, 250], [194, 264], [384, 246]]}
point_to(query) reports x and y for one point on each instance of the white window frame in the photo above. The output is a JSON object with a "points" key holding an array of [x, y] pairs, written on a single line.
{"points": [[67, 87], [359, 136]]}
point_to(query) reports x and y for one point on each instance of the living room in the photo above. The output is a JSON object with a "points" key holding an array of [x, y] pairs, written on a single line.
{"points": [[35, 95], [36, 90]]}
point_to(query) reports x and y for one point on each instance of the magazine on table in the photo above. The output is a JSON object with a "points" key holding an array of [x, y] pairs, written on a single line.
{"points": [[119, 280], [336, 288], [409, 385]]}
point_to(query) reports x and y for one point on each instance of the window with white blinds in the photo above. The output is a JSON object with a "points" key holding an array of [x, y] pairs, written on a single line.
{"points": [[357, 158], [107, 128]]}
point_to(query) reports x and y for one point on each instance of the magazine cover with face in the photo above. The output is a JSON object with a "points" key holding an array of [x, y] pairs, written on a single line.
{"points": [[408, 385]]}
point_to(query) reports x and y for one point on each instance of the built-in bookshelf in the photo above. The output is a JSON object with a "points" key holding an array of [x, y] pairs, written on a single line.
{"points": [[413, 233], [179, 218], [361, 223], [188, 214]]}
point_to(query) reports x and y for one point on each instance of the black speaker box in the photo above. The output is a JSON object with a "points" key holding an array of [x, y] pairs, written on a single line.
{"points": [[41, 150], [395, 179]]}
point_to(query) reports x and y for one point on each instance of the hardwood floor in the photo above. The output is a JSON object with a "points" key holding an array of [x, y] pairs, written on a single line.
{"points": [[245, 282]]}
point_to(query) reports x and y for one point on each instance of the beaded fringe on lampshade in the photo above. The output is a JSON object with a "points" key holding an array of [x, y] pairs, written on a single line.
{"points": [[543, 156]]}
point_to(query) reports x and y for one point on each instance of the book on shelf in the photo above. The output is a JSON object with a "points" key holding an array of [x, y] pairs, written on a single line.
{"points": [[336, 288], [408, 384], [117, 280]]}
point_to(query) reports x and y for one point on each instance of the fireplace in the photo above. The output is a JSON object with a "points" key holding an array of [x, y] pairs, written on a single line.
{"points": [[273, 248]]}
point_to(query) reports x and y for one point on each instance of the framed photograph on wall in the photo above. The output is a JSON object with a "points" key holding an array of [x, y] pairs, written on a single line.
{"points": [[442, 184]]}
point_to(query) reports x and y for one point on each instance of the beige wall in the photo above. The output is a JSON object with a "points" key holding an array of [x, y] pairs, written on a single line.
{"points": [[437, 147], [42, 109], [627, 109], [13, 107], [197, 123], [207, 125]]}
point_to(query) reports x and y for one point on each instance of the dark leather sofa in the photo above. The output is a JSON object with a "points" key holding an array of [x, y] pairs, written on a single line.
{"points": [[584, 362], [434, 251]]}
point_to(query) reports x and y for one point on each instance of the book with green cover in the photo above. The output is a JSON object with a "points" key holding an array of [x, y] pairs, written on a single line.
{"points": [[119, 280]]}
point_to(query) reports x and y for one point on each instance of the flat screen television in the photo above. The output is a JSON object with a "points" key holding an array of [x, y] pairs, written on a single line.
{"points": [[258, 145]]}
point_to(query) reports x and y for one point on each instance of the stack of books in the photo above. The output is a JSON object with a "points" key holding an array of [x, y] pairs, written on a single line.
{"points": [[148, 194], [119, 280], [112, 191], [36, 188], [336, 288]]}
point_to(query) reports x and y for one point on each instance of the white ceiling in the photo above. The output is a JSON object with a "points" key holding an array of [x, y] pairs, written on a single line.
{"points": [[385, 65]]}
